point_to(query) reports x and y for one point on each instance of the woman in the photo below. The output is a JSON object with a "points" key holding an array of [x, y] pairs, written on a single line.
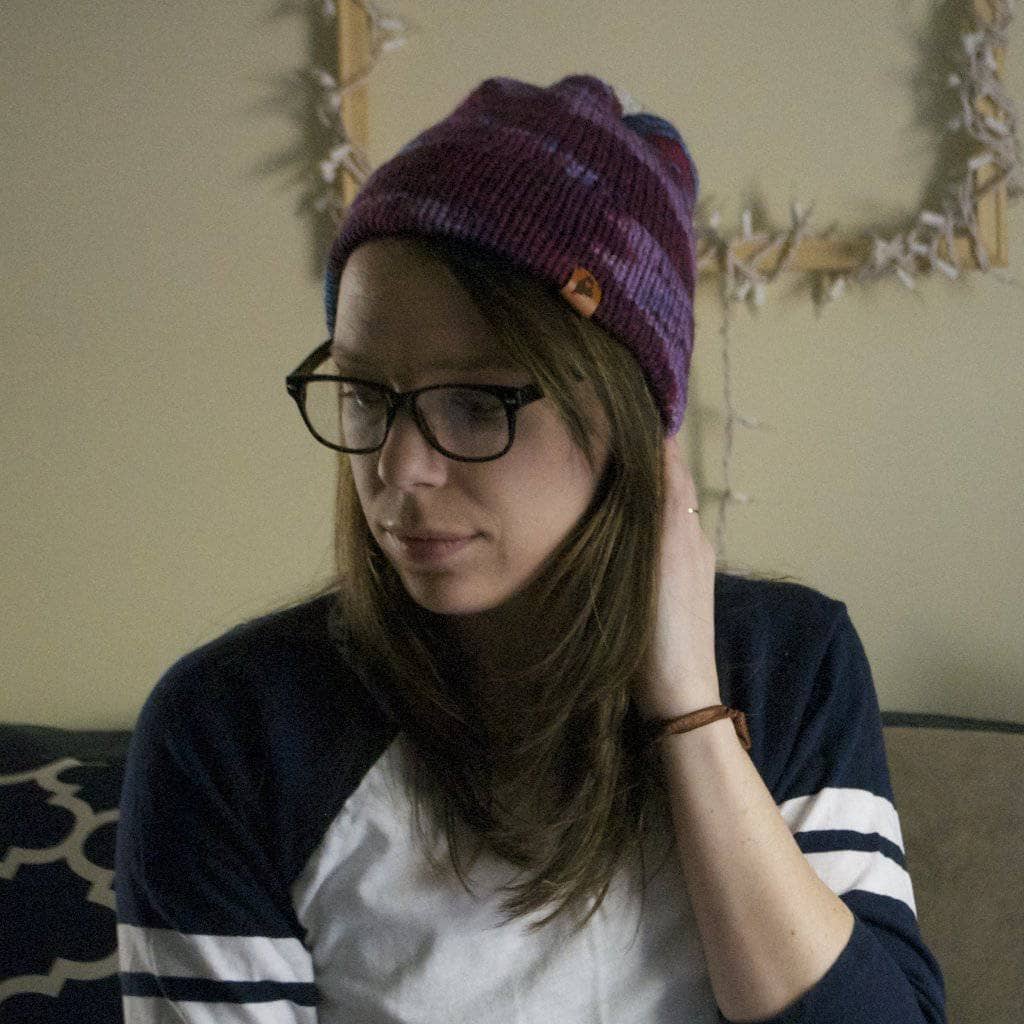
{"points": [[530, 758]]}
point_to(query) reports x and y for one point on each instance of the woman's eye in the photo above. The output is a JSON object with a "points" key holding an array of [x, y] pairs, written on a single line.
{"points": [[477, 405], [348, 389], [364, 397]]}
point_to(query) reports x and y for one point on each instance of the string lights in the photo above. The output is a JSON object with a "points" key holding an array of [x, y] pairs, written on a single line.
{"points": [[905, 255]]}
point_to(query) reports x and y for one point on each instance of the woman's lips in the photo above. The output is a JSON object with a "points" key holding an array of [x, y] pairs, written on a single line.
{"points": [[431, 551]]}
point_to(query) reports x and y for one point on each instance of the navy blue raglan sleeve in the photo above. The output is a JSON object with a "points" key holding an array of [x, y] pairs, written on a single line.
{"points": [[205, 926], [823, 757]]}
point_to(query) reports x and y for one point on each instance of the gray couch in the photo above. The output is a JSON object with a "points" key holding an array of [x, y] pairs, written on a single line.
{"points": [[959, 787]]}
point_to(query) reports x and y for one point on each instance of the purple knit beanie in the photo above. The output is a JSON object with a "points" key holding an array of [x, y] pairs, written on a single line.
{"points": [[562, 183]]}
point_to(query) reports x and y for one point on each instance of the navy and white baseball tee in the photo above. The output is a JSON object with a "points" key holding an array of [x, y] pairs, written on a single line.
{"points": [[269, 871]]}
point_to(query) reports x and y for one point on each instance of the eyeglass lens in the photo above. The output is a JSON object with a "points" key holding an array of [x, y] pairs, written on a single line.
{"points": [[473, 424]]}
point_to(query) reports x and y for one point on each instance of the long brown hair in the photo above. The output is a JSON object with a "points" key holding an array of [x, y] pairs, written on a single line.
{"points": [[572, 727]]}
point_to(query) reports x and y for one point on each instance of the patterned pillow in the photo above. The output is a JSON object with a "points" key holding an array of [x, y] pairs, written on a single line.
{"points": [[59, 793]]}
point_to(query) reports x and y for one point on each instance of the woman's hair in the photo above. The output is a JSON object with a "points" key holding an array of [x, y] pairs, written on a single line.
{"points": [[565, 792]]}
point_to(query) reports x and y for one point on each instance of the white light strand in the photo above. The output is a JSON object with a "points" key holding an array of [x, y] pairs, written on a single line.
{"points": [[902, 255], [997, 136], [629, 104], [386, 33]]}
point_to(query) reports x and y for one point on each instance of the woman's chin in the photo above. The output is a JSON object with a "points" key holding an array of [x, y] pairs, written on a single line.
{"points": [[448, 597]]}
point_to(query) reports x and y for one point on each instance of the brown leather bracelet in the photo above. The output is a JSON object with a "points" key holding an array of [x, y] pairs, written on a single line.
{"points": [[658, 729]]}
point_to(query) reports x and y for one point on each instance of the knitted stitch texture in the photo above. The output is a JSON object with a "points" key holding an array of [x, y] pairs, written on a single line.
{"points": [[561, 183]]}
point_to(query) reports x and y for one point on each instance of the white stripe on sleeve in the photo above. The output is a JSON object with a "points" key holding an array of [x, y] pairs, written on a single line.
{"points": [[162, 951], [141, 1010], [848, 810], [865, 871], [852, 810]]}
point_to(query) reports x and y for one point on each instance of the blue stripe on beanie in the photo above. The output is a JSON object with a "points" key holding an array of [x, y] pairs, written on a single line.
{"points": [[650, 124]]}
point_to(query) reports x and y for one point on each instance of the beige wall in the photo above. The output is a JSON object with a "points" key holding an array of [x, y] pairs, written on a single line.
{"points": [[160, 280]]}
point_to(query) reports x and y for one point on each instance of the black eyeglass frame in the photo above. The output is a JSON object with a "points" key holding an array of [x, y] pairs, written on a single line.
{"points": [[512, 398]]}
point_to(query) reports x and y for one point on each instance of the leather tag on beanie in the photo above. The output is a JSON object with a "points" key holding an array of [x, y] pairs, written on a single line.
{"points": [[583, 292]]}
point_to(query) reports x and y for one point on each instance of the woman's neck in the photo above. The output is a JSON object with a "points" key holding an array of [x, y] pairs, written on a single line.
{"points": [[490, 646]]}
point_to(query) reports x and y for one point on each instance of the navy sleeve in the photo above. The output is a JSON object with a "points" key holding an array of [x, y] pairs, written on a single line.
{"points": [[831, 783], [206, 930]]}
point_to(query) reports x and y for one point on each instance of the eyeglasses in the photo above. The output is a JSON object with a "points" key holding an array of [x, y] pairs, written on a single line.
{"points": [[466, 422]]}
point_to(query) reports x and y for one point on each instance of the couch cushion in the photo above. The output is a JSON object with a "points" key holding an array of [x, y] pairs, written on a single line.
{"points": [[59, 791], [958, 788]]}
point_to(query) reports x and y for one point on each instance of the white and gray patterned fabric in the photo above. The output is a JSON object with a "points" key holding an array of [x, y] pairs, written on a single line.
{"points": [[59, 795]]}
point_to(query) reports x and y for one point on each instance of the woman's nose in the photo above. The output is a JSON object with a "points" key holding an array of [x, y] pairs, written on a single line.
{"points": [[407, 458]]}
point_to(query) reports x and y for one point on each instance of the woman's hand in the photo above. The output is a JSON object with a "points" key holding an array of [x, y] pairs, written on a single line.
{"points": [[682, 675]]}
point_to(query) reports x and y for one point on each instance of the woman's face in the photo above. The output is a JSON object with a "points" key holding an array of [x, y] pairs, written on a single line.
{"points": [[405, 321]]}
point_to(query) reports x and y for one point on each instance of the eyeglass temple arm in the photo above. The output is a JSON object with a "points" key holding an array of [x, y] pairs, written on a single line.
{"points": [[312, 361]]}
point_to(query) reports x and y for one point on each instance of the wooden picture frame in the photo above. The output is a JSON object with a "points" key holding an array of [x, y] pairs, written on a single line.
{"points": [[354, 58], [830, 254]]}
